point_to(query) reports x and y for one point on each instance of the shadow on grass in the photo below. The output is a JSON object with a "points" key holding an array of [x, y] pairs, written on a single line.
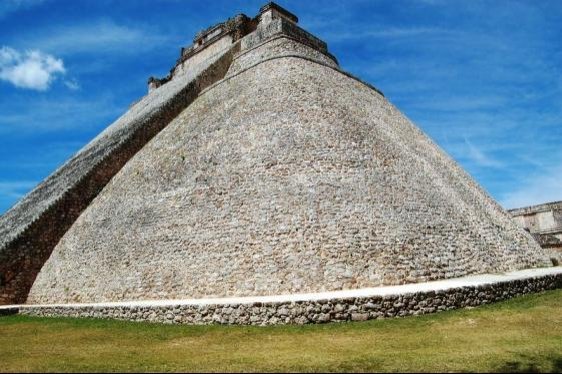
{"points": [[525, 365]]}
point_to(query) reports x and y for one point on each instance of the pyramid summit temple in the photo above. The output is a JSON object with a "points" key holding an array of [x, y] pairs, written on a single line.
{"points": [[259, 183]]}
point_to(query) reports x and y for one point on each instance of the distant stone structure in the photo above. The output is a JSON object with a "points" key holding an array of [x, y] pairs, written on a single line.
{"points": [[259, 168], [543, 221]]}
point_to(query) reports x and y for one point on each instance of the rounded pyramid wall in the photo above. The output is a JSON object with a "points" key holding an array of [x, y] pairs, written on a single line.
{"points": [[285, 177]]}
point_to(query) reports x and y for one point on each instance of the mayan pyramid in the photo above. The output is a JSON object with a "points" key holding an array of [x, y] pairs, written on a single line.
{"points": [[256, 167]]}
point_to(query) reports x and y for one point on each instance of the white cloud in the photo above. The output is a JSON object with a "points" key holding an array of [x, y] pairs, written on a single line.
{"points": [[32, 69]]}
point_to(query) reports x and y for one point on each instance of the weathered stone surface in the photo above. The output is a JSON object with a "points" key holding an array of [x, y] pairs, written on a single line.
{"points": [[288, 177], [282, 174]]}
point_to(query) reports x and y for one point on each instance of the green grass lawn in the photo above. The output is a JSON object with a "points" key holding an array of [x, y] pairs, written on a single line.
{"points": [[523, 334]]}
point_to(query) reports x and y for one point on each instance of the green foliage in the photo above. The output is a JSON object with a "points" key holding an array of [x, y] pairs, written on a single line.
{"points": [[520, 335]]}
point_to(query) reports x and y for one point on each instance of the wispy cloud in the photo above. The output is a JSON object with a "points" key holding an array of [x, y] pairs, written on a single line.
{"points": [[94, 38], [72, 84], [12, 191], [31, 69], [11, 6], [57, 114], [536, 189], [478, 156], [17, 189], [385, 32]]}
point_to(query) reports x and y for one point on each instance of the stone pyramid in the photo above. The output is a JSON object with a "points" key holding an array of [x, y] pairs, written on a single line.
{"points": [[256, 167]]}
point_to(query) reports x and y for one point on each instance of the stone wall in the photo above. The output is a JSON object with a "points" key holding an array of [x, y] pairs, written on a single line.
{"points": [[283, 176], [32, 228], [218, 47], [282, 26], [207, 44], [543, 221], [312, 311], [286, 178]]}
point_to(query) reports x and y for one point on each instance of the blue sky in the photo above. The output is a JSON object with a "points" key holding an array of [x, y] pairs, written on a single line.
{"points": [[482, 78]]}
